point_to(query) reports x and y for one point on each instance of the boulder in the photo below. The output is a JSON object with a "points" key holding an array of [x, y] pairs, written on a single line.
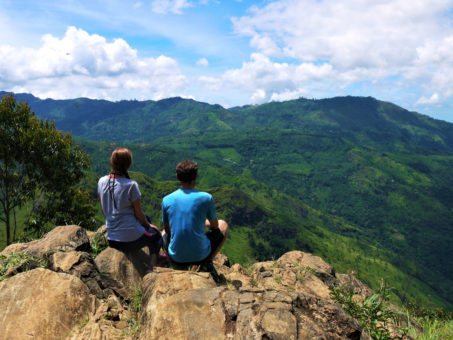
{"points": [[188, 305], [123, 271], [191, 314], [109, 322], [79, 264], [164, 282], [62, 238], [42, 304]]}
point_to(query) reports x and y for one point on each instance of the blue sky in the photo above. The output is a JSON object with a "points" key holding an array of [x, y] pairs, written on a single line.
{"points": [[231, 52]]}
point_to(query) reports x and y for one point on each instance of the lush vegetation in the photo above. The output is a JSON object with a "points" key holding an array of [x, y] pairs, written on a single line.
{"points": [[39, 164], [19, 262], [363, 183]]}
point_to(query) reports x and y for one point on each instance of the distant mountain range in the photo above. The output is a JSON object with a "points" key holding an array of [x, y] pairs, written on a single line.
{"points": [[363, 183]]}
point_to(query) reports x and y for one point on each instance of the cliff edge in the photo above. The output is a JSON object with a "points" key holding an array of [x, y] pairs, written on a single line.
{"points": [[59, 290]]}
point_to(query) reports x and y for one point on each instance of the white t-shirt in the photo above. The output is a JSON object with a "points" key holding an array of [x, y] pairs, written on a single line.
{"points": [[117, 205]]}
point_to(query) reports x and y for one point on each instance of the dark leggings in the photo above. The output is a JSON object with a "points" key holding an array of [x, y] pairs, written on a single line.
{"points": [[215, 237], [153, 242]]}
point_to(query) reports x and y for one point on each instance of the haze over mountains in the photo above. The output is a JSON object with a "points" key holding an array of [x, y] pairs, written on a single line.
{"points": [[363, 183]]}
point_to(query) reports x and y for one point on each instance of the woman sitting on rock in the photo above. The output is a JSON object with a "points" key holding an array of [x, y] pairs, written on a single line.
{"points": [[127, 226]]}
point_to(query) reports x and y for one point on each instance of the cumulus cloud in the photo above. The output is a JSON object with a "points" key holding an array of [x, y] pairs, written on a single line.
{"points": [[170, 6], [358, 41], [203, 62], [83, 64], [434, 99], [273, 80], [258, 96]]}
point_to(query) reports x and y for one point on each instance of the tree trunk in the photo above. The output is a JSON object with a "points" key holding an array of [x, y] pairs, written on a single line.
{"points": [[8, 230]]}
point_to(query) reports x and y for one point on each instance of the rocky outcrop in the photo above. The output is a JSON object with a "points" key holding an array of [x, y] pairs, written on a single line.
{"points": [[62, 238], [42, 304], [112, 297], [277, 300], [123, 272]]}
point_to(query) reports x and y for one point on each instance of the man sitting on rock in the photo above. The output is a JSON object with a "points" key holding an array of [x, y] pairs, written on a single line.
{"points": [[185, 214]]}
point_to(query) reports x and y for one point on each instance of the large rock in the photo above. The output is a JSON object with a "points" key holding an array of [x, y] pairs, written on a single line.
{"points": [[180, 305], [187, 305], [294, 271], [108, 323], [79, 264], [191, 314], [59, 239], [123, 271], [42, 304], [164, 282]]}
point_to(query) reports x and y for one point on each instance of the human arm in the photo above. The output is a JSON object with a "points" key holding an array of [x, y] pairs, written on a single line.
{"points": [[212, 224], [167, 228], [139, 215], [100, 204]]}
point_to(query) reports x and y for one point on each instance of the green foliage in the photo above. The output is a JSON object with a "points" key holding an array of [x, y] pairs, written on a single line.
{"points": [[39, 164], [98, 243], [433, 329], [19, 260], [136, 300], [436, 323], [135, 306], [419, 311], [363, 183], [373, 313]]}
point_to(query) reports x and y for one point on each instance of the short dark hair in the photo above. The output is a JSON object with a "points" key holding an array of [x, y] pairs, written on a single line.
{"points": [[186, 171], [120, 161]]}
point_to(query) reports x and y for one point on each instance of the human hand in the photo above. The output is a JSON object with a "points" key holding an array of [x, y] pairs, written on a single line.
{"points": [[154, 227]]}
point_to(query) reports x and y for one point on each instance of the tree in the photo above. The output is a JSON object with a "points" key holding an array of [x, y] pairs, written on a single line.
{"points": [[38, 164]]}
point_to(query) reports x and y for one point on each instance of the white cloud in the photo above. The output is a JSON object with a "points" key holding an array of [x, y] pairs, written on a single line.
{"points": [[203, 62], [288, 95], [81, 64], [274, 80], [170, 6], [258, 96], [434, 99], [359, 41]]}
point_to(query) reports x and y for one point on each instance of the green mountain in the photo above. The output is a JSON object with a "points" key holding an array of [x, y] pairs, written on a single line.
{"points": [[363, 183]]}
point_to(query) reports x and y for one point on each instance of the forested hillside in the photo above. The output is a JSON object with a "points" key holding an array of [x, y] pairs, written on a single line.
{"points": [[365, 184]]}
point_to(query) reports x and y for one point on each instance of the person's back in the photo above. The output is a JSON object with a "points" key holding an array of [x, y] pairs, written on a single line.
{"points": [[127, 226], [188, 209], [185, 214]]}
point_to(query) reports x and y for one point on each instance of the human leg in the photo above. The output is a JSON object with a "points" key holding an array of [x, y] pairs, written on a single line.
{"points": [[217, 238]]}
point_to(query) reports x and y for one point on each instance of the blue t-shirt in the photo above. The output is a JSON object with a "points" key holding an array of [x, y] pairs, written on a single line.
{"points": [[121, 223], [186, 211]]}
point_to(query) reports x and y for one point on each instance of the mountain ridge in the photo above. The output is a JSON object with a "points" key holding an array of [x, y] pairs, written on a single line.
{"points": [[388, 176]]}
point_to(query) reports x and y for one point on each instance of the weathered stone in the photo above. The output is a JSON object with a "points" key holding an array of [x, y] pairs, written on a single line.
{"points": [[42, 304], [122, 271], [321, 319], [299, 259], [246, 327], [221, 260], [79, 264], [63, 261], [62, 238], [279, 324], [350, 281], [193, 314], [231, 303], [236, 273], [163, 283]]}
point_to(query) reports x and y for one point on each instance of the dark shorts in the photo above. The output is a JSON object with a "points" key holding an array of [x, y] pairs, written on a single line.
{"points": [[215, 236], [151, 239]]}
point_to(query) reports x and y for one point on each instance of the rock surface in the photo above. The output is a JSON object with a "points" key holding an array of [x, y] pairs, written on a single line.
{"points": [[113, 297], [123, 272], [42, 304], [62, 238]]}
